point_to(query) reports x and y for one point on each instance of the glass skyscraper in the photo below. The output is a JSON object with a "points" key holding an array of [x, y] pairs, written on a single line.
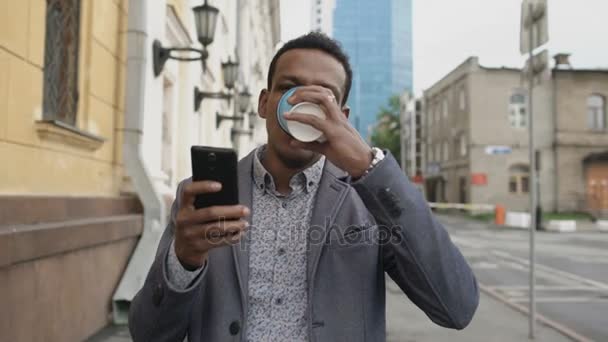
{"points": [[377, 35]]}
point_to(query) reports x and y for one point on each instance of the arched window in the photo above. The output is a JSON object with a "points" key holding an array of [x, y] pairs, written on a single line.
{"points": [[518, 111], [519, 179], [596, 112]]}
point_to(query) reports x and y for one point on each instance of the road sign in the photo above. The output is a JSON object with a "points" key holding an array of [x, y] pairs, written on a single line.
{"points": [[534, 18], [539, 68], [539, 63], [498, 150], [479, 179], [433, 168]]}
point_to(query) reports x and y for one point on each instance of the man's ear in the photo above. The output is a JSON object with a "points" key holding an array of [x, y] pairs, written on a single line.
{"points": [[346, 111], [262, 103]]}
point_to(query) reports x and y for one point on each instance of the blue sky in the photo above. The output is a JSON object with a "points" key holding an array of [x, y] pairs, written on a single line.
{"points": [[446, 32]]}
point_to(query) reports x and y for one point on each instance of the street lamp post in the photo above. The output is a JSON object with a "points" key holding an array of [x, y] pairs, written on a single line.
{"points": [[205, 17], [230, 72], [242, 104], [534, 34]]}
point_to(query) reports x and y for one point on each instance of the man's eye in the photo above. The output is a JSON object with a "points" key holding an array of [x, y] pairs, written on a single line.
{"points": [[285, 87]]}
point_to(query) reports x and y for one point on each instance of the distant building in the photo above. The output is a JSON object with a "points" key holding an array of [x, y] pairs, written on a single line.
{"points": [[476, 137], [411, 137], [322, 15], [378, 38], [581, 141]]}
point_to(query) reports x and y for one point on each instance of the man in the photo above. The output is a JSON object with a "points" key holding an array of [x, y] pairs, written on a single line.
{"points": [[327, 220]]}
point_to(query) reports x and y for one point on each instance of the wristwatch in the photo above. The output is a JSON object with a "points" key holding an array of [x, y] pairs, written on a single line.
{"points": [[377, 156]]}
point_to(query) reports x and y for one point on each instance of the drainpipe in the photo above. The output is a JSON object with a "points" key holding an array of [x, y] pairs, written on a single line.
{"points": [[555, 203], [138, 49], [241, 6]]}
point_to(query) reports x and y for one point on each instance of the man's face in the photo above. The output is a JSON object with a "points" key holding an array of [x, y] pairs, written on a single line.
{"points": [[298, 67]]}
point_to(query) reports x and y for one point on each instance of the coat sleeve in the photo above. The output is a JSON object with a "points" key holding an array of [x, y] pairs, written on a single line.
{"points": [[161, 311], [419, 255]]}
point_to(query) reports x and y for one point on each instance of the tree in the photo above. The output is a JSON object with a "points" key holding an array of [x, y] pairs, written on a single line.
{"points": [[386, 133]]}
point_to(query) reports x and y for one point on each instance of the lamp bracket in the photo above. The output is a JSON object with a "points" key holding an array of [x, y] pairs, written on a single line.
{"points": [[219, 118], [161, 55], [200, 95]]}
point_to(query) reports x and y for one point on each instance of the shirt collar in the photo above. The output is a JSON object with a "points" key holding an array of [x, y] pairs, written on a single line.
{"points": [[309, 178]]}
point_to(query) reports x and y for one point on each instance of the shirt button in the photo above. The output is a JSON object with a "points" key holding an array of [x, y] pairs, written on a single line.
{"points": [[278, 301], [281, 251], [311, 183], [234, 328], [284, 205]]}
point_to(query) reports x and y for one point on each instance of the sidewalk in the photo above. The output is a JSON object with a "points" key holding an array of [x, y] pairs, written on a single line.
{"points": [[582, 226], [493, 322]]}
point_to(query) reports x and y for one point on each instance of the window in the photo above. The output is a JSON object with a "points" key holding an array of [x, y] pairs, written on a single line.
{"points": [[438, 152], [596, 112], [169, 92], [445, 108], [446, 151], [519, 179], [462, 143], [513, 184], [518, 111], [61, 61], [462, 99]]}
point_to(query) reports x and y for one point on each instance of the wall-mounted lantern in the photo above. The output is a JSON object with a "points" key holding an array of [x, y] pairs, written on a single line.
{"points": [[205, 18]]}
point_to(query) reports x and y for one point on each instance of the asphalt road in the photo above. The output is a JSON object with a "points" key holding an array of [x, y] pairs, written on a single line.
{"points": [[571, 271]]}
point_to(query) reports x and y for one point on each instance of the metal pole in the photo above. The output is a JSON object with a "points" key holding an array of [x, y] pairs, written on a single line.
{"points": [[532, 180], [402, 142]]}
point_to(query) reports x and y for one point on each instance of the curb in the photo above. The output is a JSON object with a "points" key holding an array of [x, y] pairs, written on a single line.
{"points": [[569, 333]]}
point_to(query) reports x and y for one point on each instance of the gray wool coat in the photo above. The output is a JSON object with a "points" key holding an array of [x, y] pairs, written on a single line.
{"points": [[360, 230]]}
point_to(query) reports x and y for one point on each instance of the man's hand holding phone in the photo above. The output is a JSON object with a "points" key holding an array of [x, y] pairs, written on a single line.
{"points": [[197, 231]]}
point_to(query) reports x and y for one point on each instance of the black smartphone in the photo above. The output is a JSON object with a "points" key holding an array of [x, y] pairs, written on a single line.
{"points": [[216, 164]]}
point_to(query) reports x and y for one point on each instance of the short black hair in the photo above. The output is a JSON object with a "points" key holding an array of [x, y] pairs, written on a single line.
{"points": [[318, 41]]}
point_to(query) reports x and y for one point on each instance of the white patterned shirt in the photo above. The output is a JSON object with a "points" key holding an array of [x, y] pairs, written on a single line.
{"points": [[278, 288]]}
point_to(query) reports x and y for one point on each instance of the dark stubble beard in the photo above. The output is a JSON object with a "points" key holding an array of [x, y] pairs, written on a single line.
{"points": [[296, 163]]}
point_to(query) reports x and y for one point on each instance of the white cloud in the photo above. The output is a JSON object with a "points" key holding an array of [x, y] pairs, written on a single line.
{"points": [[447, 32]]}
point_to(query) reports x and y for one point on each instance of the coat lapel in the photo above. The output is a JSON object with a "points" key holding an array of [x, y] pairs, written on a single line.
{"points": [[240, 251], [330, 195]]}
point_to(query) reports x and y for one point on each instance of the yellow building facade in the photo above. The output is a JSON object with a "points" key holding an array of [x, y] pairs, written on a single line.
{"points": [[66, 232], [70, 220], [47, 159]]}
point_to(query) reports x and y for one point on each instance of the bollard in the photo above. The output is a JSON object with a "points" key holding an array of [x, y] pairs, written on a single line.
{"points": [[499, 215]]}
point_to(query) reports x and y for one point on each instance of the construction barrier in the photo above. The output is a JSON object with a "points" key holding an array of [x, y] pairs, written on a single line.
{"points": [[500, 212], [463, 206]]}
